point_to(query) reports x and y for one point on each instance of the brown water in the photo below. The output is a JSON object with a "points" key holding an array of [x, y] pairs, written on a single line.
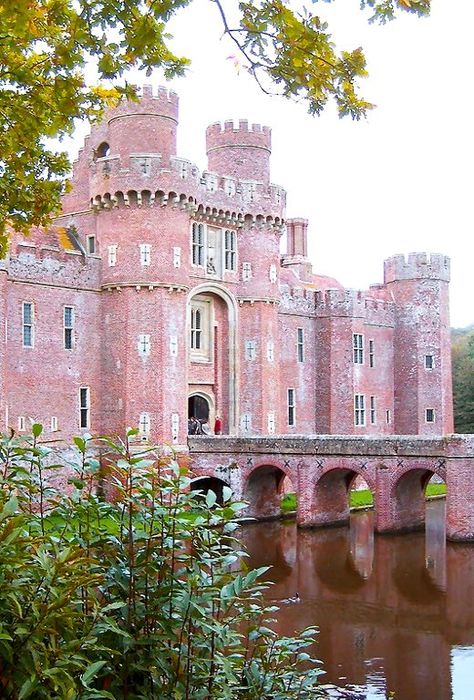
{"points": [[395, 613]]}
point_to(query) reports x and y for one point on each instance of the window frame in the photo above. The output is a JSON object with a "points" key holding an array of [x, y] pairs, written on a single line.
{"points": [[373, 410], [28, 324], [429, 364], [359, 411], [291, 406], [300, 344], [198, 244], [68, 328], [84, 407], [230, 250], [358, 348], [433, 415], [54, 424], [200, 338], [371, 352], [91, 249]]}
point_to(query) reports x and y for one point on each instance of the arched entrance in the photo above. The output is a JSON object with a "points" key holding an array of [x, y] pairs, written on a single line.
{"points": [[209, 483], [198, 407]]}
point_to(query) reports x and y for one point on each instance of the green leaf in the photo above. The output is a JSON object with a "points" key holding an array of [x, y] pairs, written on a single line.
{"points": [[91, 671]]}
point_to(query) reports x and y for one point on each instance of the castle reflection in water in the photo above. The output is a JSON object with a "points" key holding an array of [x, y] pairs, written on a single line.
{"points": [[393, 611]]}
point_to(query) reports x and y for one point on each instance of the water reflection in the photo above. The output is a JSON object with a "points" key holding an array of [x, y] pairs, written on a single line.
{"points": [[393, 611]]}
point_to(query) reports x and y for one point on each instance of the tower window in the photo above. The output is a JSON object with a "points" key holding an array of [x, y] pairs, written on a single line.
{"points": [[28, 328], [359, 410], [358, 348], [68, 327], [291, 407], [91, 245], [198, 244], [84, 406], [429, 362], [373, 414], [430, 415], [371, 353], [230, 250], [196, 329], [300, 344]]}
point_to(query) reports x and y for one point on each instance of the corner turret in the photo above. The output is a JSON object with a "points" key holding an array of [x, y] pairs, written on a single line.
{"points": [[242, 152]]}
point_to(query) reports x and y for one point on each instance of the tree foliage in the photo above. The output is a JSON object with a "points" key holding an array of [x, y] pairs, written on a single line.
{"points": [[45, 46], [146, 597], [463, 380]]}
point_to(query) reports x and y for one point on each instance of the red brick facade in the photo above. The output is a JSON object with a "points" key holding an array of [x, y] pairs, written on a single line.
{"points": [[154, 257]]}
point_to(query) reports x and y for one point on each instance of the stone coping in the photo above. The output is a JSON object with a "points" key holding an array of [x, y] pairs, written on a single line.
{"points": [[454, 446]]}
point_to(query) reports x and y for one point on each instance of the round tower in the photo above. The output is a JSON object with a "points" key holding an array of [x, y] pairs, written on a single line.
{"points": [[146, 127], [242, 152]]}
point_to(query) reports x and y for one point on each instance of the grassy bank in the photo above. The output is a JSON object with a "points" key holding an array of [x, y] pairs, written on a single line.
{"points": [[361, 499]]}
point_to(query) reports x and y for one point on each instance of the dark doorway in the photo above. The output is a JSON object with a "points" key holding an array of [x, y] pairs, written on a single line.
{"points": [[209, 483], [198, 407]]}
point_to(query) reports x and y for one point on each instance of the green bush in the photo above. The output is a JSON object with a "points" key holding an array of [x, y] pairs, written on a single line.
{"points": [[130, 597]]}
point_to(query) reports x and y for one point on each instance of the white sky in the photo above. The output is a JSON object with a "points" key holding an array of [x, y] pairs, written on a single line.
{"points": [[396, 183]]}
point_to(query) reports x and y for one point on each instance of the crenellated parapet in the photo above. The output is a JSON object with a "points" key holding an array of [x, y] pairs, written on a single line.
{"points": [[354, 304], [297, 300], [241, 151], [54, 266], [417, 266]]}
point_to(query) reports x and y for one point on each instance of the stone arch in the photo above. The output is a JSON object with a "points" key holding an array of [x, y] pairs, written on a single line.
{"points": [[262, 490], [205, 483], [330, 502], [209, 398], [220, 291], [102, 150], [407, 494]]}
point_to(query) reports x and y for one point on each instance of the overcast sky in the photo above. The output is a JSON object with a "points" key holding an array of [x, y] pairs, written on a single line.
{"points": [[401, 181]]}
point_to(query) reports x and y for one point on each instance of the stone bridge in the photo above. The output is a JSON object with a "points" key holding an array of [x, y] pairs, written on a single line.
{"points": [[323, 468]]}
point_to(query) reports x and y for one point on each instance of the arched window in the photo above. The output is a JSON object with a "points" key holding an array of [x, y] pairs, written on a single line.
{"points": [[103, 150], [196, 329]]}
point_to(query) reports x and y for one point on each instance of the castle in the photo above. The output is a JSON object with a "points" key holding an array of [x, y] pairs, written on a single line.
{"points": [[161, 293]]}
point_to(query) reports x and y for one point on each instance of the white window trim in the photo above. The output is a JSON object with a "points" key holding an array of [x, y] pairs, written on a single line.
{"points": [[429, 369], [204, 352], [359, 411], [201, 247], [30, 325], [54, 424], [430, 422], [230, 252], [358, 348], [68, 327], [90, 239], [371, 352], [86, 407], [291, 407], [300, 344], [373, 410]]}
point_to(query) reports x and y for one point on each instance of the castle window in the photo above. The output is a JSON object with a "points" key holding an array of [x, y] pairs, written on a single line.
{"points": [[91, 245], [28, 312], [211, 182], [198, 244], [230, 250], [229, 187], [21, 423], [429, 362], [68, 327], [300, 344], [388, 416], [373, 414], [359, 410], [246, 422], [246, 271], [145, 254], [291, 407], [84, 406], [176, 257], [103, 150], [144, 345], [200, 331], [358, 348], [250, 350], [271, 423], [112, 254], [54, 424], [272, 273], [144, 424], [371, 353], [430, 415], [270, 351]]}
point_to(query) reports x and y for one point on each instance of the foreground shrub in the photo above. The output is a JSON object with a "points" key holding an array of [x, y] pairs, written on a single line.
{"points": [[143, 596]]}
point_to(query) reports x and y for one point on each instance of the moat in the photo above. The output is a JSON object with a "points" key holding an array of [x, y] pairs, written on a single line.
{"points": [[395, 613]]}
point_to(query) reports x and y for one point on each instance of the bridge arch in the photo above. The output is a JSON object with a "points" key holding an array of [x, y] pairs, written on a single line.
{"points": [[205, 483], [407, 494], [262, 489]]}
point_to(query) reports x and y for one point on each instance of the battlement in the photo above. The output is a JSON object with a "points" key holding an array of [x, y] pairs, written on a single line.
{"points": [[242, 152], [417, 266], [160, 102], [353, 303]]}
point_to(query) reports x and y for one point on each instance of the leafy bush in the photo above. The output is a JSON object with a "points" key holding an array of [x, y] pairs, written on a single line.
{"points": [[142, 596]]}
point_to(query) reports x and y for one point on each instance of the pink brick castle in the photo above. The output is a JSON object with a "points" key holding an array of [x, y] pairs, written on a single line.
{"points": [[162, 293]]}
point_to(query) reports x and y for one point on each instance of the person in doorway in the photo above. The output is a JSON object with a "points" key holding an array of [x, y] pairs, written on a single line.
{"points": [[217, 426], [197, 426], [205, 427]]}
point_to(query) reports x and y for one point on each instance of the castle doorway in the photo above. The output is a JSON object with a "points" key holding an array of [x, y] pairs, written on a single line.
{"points": [[198, 407]]}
